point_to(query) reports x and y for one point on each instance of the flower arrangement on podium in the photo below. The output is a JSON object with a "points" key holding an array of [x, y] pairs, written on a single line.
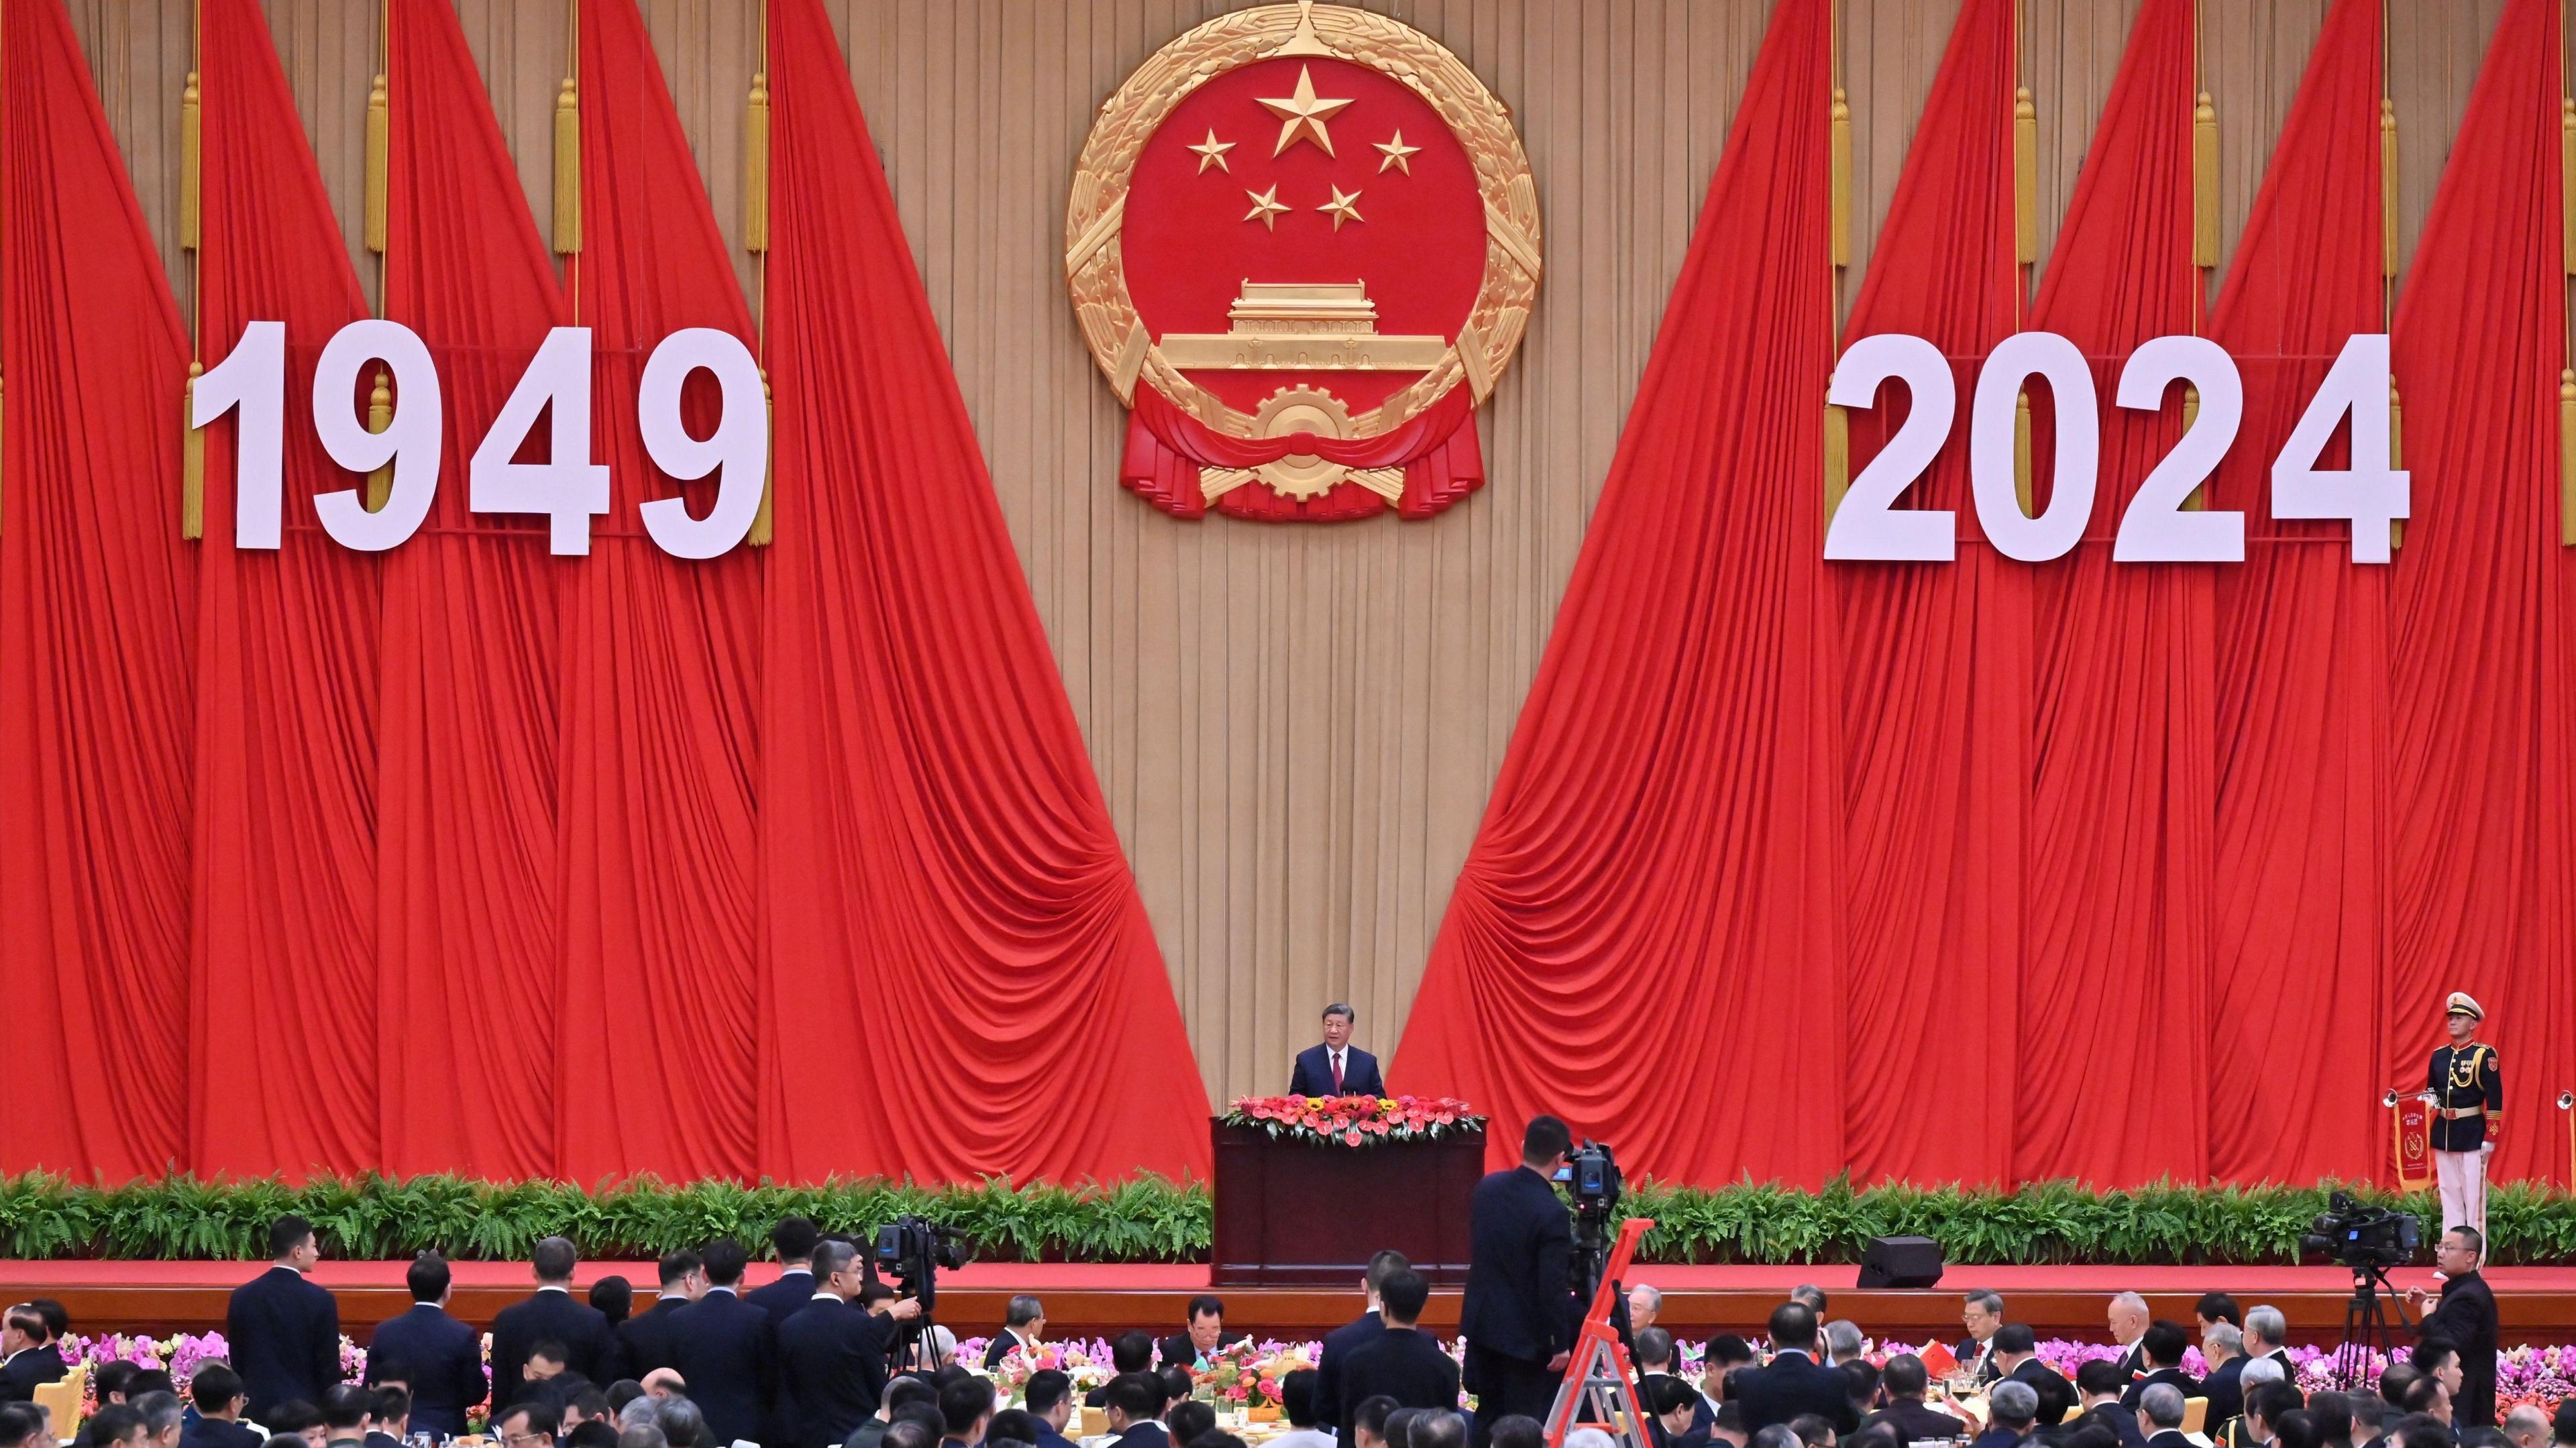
{"points": [[1083, 1362], [1246, 1377], [1354, 1120]]}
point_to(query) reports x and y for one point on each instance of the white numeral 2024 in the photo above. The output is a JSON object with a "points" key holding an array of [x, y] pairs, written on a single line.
{"points": [[2156, 527], [568, 490]]}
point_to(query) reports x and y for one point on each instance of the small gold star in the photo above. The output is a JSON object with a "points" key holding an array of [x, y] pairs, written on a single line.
{"points": [[1301, 115], [1396, 152], [1212, 151], [1342, 208], [1265, 207]]}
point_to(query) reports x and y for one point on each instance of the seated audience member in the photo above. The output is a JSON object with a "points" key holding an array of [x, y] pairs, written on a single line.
{"points": [[908, 1391], [2439, 1357], [2016, 1356], [28, 1357], [113, 1381], [2098, 1388], [388, 1417], [1726, 1353], [622, 1392], [1982, 1313], [2258, 1375], [911, 1433], [1193, 1345], [1518, 1430], [1368, 1421], [164, 1417], [1436, 1428], [1399, 1427], [1843, 1342], [664, 1384], [1023, 1327], [348, 1408], [2331, 1413], [1135, 1411], [2296, 1428], [1187, 1420], [1905, 1382], [2267, 1334], [590, 1405], [682, 1422], [2090, 1435], [524, 1424], [1794, 1382], [966, 1407], [2266, 1401], [1656, 1359], [2562, 1425], [1775, 1436], [296, 1417], [1670, 1405], [2527, 1427], [2224, 1346], [1177, 1386], [2429, 1397], [2371, 1416], [1814, 1430], [218, 1393], [1404, 1363], [1879, 1436], [2013, 1409], [2161, 1348], [117, 1424], [1013, 1425], [2160, 1414], [2394, 1380], [1131, 1351], [1214, 1439], [19, 1427], [1862, 1385], [592, 1433], [2483, 1438], [1048, 1397], [1297, 1393], [643, 1435], [2418, 1431]]}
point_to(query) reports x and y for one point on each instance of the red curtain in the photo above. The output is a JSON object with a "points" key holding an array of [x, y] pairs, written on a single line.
{"points": [[1654, 878], [2302, 658], [2479, 665], [285, 849], [97, 627], [661, 675], [1936, 671], [468, 871], [2113, 1003], [958, 975]]}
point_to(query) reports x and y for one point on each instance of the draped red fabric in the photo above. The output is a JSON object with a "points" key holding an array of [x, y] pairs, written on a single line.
{"points": [[285, 936], [2123, 777], [1654, 878], [947, 917], [2302, 657], [660, 659], [466, 793], [2479, 670], [97, 623], [1936, 669], [1438, 451]]}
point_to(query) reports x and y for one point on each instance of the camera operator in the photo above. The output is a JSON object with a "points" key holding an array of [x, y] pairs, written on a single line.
{"points": [[1520, 1314], [2466, 1319]]}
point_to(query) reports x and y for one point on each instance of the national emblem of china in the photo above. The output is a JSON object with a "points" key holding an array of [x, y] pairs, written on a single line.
{"points": [[1302, 244]]}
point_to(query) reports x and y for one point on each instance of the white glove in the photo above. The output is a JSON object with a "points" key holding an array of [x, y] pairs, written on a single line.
{"points": [[2486, 1148]]}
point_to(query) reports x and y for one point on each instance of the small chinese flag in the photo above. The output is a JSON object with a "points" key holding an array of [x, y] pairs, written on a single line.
{"points": [[1938, 1361]]}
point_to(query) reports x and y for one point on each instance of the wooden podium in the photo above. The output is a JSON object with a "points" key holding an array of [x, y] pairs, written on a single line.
{"points": [[1292, 1214]]}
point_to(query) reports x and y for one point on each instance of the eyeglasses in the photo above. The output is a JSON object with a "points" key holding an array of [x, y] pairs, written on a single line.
{"points": [[529, 1440]]}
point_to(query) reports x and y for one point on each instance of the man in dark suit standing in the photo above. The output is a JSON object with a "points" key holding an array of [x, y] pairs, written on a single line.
{"points": [[1794, 1382], [2466, 1319], [728, 1350], [1405, 1363], [2161, 1349], [1353, 1335], [1520, 1313], [553, 1314], [285, 1330], [648, 1340], [440, 1358], [1336, 1068], [794, 1239], [832, 1353], [1204, 1335], [1906, 1382]]}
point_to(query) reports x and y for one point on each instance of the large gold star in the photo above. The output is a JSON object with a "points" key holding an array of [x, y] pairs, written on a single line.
{"points": [[1342, 208], [1212, 151], [1265, 207], [1396, 153], [1302, 116]]}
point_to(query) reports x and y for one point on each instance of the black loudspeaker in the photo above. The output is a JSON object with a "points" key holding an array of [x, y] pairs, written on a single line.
{"points": [[1901, 1262]]}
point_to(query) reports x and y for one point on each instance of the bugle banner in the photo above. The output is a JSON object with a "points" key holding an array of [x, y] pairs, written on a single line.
{"points": [[2410, 1139]]}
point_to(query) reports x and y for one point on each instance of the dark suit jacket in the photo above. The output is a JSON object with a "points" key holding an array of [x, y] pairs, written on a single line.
{"points": [[1179, 1349], [2121, 1421], [1050, 1438], [285, 1337], [2189, 1385], [1977, 1355], [1338, 1346], [2133, 1362], [2467, 1317], [1703, 1417], [1795, 1383], [1912, 1420], [1404, 1364], [728, 1354], [216, 1433], [647, 1340], [831, 1371], [551, 1315], [2170, 1438], [785, 1297], [29, 1370], [2056, 1394], [1314, 1073], [1520, 1269], [1000, 1348], [379, 1438], [1996, 1438], [444, 1358], [1143, 1435], [2226, 1395]]}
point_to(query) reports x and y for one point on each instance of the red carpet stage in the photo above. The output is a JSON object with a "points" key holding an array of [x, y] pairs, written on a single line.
{"points": [[2537, 1304]]}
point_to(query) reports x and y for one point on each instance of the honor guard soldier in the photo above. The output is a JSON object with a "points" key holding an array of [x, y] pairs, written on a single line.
{"points": [[2465, 1088]]}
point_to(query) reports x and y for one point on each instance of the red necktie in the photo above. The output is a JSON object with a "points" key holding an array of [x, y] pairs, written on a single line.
{"points": [[1337, 1073]]}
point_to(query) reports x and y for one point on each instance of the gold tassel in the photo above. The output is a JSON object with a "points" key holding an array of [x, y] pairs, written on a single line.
{"points": [[568, 169], [2396, 458], [2566, 458], [380, 415], [2567, 185], [760, 523], [2387, 187], [379, 156], [2197, 498], [2204, 183], [2021, 452], [755, 167], [192, 460], [1841, 226], [2025, 177], [191, 153], [1837, 458]]}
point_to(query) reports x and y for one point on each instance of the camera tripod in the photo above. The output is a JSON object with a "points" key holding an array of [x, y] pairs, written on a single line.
{"points": [[2366, 1326]]}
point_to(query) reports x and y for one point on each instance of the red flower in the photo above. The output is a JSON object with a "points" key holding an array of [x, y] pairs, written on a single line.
{"points": [[1351, 1138]]}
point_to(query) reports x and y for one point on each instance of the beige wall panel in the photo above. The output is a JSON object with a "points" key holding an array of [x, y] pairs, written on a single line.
{"points": [[1297, 728]]}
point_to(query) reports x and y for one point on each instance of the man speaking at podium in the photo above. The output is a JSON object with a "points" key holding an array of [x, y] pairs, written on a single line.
{"points": [[1336, 1068]]}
